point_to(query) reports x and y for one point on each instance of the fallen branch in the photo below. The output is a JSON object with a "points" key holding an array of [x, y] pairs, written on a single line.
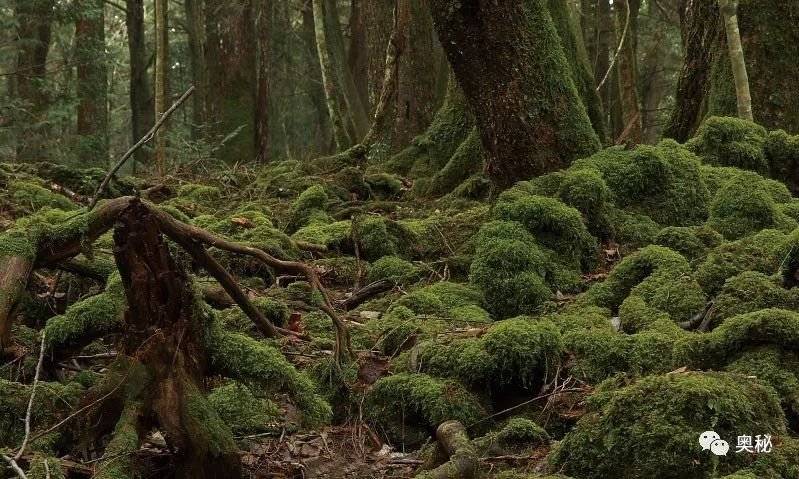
{"points": [[147, 137], [367, 292]]}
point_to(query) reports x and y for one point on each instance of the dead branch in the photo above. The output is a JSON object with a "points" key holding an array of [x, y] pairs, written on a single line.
{"points": [[147, 137], [367, 292], [30, 401]]}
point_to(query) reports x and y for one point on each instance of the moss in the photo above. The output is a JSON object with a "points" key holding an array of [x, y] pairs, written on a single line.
{"points": [[34, 197], [38, 469], [335, 236], [774, 367], [237, 406], [200, 193], [631, 229], [52, 401], [408, 407], [649, 428], [393, 268], [761, 252], [751, 291], [782, 153], [341, 270], [303, 291], [89, 318], [586, 191], [635, 269], [662, 182], [313, 199], [682, 240], [741, 208], [384, 185], [350, 180], [728, 141], [273, 309], [119, 457], [264, 367], [375, 239], [515, 353], [553, 224]]}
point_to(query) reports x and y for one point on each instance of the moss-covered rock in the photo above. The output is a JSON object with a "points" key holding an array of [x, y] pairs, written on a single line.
{"points": [[408, 407], [241, 410], [650, 428], [394, 269], [728, 141]]}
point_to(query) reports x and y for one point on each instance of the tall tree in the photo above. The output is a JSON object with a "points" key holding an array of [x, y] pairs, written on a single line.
{"points": [[161, 86], [34, 22], [312, 79], [92, 84], [627, 26], [141, 97], [702, 31], [231, 56], [509, 61], [264, 21], [347, 112], [729, 13], [195, 29]]}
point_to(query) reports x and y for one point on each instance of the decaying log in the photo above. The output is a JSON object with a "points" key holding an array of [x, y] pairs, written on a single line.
{"points": [[453, 442]]}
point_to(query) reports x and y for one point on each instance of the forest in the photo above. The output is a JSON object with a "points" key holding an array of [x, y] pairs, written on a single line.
{"points": [[430, 239]]}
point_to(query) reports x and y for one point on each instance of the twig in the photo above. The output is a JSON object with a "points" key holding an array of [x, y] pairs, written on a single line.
{"points": [[30, 400], [618, 50], [13, 464], [147, 137]]}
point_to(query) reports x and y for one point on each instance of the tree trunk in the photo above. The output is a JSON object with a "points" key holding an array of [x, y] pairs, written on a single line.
{"points": [[231, 55], [34, 19], [508, 59], [653, 77], [347, 112], [627, 21], [264, 12], [141, 99], [14, 272], [161, 87], [164, 337], [92, 86], [728, 10], [195, 27], [313, 80], [577, 56], [702, 32]]}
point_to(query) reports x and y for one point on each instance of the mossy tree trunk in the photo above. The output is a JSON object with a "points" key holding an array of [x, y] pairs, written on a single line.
{"points": [[701, 30], [577, 56], [14, 272], [728, 10], [34, 28], [92, 85], [163, 338], [195, 30], [509, 61], [141, 98]]}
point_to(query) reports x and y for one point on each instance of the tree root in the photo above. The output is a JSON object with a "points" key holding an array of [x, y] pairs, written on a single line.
{"points": [[453, 443]]}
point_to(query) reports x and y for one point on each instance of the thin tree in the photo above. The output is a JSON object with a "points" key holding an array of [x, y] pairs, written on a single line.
{"points": [[161, 67], [92, 85], [141, 95], [728, 10]]}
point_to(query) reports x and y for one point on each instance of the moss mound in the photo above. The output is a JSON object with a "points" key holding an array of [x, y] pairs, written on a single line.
{"points": [[650, 428]]}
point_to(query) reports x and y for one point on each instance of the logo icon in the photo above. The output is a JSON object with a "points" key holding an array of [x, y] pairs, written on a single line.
{"points": [[710, 440]]}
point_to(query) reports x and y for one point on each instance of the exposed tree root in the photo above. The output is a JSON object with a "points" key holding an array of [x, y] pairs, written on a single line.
{"points": [[454, 443]]}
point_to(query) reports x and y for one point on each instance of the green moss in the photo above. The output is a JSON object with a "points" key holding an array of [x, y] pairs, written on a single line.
{"points": [[751, 291], [52, 401], [375, 239], [774, 367], [38, 469], [631, 229], [314, 199], [741, 208], [761, 252], [335, 236], [34, 197], [237, 406], [408, 407], [264, 367], [649, 428], [393, 268], [519, 430], [554, 225], [119, 457], [662, 182], [782, 153], [683, 240], [273, 309], [728, 141], [89, 318], [384, 185]]}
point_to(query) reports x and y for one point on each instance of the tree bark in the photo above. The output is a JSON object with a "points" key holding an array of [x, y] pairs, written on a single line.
{"points": [[161, 87], [34, 19], [141, 98], [702, 32], [627, 21], [231, 55], [313, 80], [92, 85], [509, 61], [728, 10], [347, 113], [263, 27], [195, 27]]}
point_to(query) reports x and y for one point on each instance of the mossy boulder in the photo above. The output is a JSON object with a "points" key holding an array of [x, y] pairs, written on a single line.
{"points": [[650, 428], [394, 269], [241, 410], [728, 141]]}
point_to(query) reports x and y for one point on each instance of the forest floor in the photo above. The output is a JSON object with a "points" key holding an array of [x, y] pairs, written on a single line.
{"points": [[589, 323]]}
